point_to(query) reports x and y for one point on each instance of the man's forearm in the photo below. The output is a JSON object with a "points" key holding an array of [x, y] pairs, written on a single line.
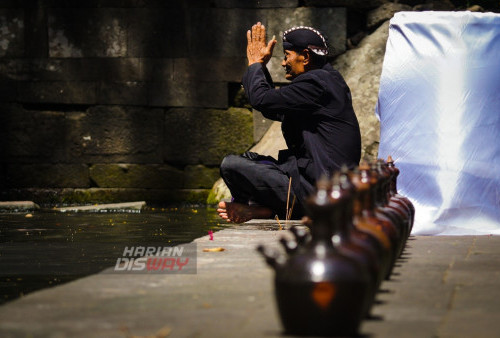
{"points": [[256, 82]]}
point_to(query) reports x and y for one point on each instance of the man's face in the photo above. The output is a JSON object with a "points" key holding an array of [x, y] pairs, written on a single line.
{"points": [[293, 64]]}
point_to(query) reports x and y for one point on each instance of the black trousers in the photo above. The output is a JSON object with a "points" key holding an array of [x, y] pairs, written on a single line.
{"points": [[259, 180]]}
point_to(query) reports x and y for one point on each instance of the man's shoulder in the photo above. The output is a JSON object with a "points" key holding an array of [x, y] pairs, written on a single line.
{"points": [[327, 71], [326, 76]]}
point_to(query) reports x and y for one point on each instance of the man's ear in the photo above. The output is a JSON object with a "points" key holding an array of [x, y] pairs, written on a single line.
{"points": [[306, 54]]}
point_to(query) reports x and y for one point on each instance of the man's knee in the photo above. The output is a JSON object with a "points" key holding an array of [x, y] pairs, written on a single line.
{"points": [[232, 163]]}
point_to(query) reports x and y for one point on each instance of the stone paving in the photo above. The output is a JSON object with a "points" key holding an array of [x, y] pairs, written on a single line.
{"points": [[442, 287]]}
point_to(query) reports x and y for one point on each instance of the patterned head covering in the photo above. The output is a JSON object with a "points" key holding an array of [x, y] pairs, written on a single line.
{"points": [[303, 37]]}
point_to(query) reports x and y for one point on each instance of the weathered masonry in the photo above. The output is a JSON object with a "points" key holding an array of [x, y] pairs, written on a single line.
{"points": [[116, 100]]}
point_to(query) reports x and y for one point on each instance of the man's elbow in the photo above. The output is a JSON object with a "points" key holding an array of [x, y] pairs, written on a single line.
{"points": [[259, 102], [256, 103]]}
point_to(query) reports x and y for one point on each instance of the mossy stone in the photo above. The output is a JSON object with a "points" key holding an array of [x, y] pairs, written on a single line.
{"points": [[204, 136], [200, 177], [136, 176]]}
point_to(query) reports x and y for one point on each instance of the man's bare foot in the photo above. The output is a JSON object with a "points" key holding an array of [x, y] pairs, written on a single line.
{"points": [[240, 213]]}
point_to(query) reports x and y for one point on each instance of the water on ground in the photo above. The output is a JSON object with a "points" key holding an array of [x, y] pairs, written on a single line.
{"points": [[48, 249]]}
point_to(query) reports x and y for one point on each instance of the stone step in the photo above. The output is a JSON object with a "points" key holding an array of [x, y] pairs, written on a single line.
{"points": [[13, 206], [126, 206]]}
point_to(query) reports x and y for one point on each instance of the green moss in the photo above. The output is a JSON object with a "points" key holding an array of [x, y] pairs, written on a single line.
{"points": [[212, 198], [204, 136], [200, 177], [81, 197], [194, 196], [86, 196]]}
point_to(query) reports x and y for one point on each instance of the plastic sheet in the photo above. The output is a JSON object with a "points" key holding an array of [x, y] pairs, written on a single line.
{"points": [[439, 108]]}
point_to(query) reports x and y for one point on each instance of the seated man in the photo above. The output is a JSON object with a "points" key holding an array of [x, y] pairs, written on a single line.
{"points": [[318, 123]]}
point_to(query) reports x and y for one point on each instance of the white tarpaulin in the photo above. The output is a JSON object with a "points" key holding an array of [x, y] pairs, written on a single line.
{"points": [[439, 108]]}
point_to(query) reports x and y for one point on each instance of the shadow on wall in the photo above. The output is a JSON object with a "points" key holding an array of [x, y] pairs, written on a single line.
{"points": [[88, 87]]}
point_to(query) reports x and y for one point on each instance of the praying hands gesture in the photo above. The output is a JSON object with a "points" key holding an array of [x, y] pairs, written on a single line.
{"points": [[257, 48]]}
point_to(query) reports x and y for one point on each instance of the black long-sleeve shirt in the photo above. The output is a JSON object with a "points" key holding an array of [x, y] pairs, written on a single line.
{"points": [[318, 122]]}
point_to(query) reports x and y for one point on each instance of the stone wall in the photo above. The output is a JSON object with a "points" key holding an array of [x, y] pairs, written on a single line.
{"points": [[116, 100]]}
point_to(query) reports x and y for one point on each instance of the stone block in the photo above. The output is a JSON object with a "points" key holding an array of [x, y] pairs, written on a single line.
{"points": [[231, 25], [87, 32], [47, 176], [383, 13], [11, 32], [120, 69], [235, 23], [200, 177], [119, 3], [178, 4], [136, 176], [30, 69], [108, 134], [93, 3], [74, 92], [3, 176], [54, 196], [126, 93], [210, 69], [158, 69], [18, 69], [436, 5], [8, 90], [18, 206], [72, 69], [84, 69], [256, 4], [11, 3], [35, 38], [31, 136], [158, 32], [355, 4], [189, 94], [205, 136], [103, 69]]}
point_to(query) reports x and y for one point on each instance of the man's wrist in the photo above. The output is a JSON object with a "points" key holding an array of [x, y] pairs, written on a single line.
{"points": [[263, 62], [255, 61], [256, 64]]}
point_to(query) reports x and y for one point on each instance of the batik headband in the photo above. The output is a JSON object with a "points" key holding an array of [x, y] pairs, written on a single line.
{"points": [[305, 37]]}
